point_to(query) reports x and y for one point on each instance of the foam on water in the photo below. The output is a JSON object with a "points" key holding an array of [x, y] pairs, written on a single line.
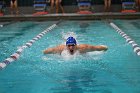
{"points": [[67, 56], [68, 34], [95, 55]]}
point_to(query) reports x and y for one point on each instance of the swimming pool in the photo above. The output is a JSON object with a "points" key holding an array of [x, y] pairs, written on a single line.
{"points": [[114, 71]]}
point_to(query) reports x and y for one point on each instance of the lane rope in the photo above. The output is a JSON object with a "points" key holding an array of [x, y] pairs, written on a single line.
{"points": [[136, 47], [17, 54]]}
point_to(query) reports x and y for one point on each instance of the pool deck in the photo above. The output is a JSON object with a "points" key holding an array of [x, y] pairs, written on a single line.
{"points": [[70, 16]]}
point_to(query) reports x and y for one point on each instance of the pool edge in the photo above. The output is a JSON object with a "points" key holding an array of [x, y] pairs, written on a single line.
{"points": [[71, 16]]}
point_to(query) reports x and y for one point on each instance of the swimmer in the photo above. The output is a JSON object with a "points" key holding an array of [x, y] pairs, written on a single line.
{"points": [[72, 47]]}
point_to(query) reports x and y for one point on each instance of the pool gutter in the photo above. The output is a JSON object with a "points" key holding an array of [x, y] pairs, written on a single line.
{"points": [[71, 16]]}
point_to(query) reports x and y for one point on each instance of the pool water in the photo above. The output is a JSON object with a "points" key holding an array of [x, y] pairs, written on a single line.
{"points": [[115, 71]]}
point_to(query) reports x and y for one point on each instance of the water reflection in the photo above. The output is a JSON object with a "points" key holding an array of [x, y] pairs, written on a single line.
{"points": [[83, 26]]}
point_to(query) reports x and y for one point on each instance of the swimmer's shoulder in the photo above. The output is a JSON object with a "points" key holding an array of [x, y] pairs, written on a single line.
{"points": [[82, 46], [60, 47]]}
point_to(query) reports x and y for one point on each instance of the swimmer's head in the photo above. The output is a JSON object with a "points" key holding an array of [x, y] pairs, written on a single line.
{"points": [[71, 41], [71, 45]]}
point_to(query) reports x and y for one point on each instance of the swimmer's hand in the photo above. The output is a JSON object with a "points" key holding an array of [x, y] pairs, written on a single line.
{"points": [[104, 47]]}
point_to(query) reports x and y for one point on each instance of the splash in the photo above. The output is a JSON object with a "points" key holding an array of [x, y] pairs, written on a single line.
{"points": [[1, 25], [67, 56], [95, 55], [68, 34]]}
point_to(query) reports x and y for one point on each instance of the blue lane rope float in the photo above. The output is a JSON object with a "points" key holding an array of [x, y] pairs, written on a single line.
{"points": [[135, 46], [17, 54]]}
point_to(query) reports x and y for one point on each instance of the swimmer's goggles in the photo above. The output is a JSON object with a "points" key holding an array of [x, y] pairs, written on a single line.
{"points": [[71, 45]]}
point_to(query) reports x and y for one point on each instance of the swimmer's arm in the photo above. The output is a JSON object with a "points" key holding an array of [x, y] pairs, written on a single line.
{"points": [[49, 51], [89, 48], [99, 48], [53, 50]]}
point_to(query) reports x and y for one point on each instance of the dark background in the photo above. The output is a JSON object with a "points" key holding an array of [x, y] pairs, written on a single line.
{"points": [[64, 2]]}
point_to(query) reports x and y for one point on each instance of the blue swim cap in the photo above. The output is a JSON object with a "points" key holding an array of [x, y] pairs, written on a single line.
{"points": [[70, 41]]}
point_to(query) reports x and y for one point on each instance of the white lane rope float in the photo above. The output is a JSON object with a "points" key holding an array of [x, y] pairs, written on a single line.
{"points": [[135, 46], [17, 54]]}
